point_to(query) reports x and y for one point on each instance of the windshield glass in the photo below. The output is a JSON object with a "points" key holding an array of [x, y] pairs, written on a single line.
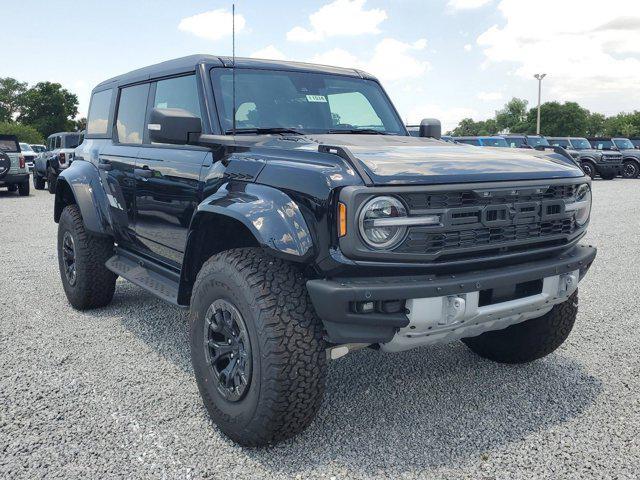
{"points": [[602, 144], [515, 142], [636, 142], [560, 142], [537, 141], [25, 147], [494, 142], [580, 144], [304, 102], [623, 143]]}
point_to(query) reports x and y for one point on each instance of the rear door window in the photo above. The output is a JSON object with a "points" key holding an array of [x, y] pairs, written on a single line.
{"points": [[132, 108]]}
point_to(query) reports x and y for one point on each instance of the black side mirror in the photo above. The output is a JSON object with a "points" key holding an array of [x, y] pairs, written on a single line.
{"points": [[430, 127], [173, 125]]}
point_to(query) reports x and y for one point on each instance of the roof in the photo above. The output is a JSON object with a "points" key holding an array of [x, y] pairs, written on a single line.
{"points": [[189, 63], [63, 133]]}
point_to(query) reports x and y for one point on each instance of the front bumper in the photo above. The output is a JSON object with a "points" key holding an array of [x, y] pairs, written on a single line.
{"points": [[14, 178], [605, 168], [334, 301]]}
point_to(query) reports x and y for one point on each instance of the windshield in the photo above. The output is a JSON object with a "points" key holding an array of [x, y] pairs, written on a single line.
{"points": [[515, 142], [537, 141], [602, 144], [636, 143], [303, 102], [623, 143], [494, 142], [25, 147], [560, 142], [580, 143]]}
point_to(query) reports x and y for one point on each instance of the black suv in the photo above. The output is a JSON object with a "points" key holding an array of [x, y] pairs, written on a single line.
{"points": [[630, 157], [287, 206], [607, 164]]}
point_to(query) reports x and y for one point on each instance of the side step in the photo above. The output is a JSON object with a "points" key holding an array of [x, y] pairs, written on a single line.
{"points": [[160, 281]]}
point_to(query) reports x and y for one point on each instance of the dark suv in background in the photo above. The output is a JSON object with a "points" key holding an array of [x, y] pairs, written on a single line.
{"points": [[289, 209], [622, 149], [607, 164]]}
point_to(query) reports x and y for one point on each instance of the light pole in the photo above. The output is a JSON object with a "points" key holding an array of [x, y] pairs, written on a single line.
{"points": [[539, 77]]}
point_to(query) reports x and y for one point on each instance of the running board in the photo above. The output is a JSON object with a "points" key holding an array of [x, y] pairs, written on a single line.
{"points": [[160, 281]]}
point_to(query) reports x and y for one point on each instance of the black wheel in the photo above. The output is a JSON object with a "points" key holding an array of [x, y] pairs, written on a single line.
{"points": [[81, 258], [256, 345], [529, 340], [608, 176], [38, 181], [12, 188], [52, 180], [589, 169], [630, 169], [24, 188]]}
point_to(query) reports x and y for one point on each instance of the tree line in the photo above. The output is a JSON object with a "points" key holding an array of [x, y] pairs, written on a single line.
{"points": [[567, 119], [33, 113]]}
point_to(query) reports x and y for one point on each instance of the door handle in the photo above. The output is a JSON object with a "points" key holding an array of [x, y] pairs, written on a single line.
{"points": [[106, 166], [143, 172]]}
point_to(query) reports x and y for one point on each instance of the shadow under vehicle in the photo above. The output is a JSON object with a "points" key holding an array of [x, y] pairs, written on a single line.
{"points": [[287, 206]]}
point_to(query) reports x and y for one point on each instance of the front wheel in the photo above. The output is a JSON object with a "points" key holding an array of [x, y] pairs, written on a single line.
{"points": [[529, 340], [256, 346], [630, 169], [52, 180], [38, 181], [589, 169], [81, 258]]}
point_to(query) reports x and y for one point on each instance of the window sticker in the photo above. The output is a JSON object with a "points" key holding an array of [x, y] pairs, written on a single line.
{"points": [[317, 98]]}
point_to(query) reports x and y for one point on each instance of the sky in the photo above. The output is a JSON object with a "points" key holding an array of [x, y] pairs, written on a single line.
{"points": [[447, 59]]}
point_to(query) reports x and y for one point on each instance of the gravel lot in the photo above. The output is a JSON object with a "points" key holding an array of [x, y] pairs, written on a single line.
{"points": [[110, 393]]}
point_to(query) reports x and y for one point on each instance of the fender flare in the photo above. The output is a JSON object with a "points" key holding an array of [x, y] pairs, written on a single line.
{"points": [[631, 159], [273, 218], [81, 184]]}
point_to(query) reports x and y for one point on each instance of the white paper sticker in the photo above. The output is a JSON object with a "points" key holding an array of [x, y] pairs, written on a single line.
{"points": [[162, 105], [317, 98]]}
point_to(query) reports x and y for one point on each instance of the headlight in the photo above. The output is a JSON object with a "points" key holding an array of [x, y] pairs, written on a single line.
{"points": [[582, 205], [378, 228]]}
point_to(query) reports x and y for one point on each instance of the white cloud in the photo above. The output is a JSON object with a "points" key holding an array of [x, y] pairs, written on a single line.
{"points": [[212, 25], [391, 60], [270, 52], [339, 18], [593, 58], [489, 96], [468, 47], [467, 4]]}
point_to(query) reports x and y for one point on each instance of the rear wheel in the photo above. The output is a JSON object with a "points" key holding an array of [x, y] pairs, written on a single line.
{"points": [[81, 258], [38, 181], [256, 345], [52, 180], [529, 340], [589, 169], [24, 188], [630, 169]]}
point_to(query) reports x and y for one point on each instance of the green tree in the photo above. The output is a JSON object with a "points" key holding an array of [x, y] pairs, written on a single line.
{"points": [[49, 108], [512, 116], [25, 133], [595, 125], [11, 91], [80, 124], [559, 119], [623, 125]]}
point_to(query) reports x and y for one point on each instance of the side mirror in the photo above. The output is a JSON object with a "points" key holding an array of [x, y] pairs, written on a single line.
{"points": [[430, 127], [173, 125]]}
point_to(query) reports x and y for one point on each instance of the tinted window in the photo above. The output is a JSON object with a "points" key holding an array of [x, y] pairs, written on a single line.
{"points": [[307, 102], [71, 141], [494, 142], [602, 144], [56, 142], [98, 118], [560, 142], [515, 142], [9, 145], [468, 141], [537, 141], [181, 92], [131, 113]]}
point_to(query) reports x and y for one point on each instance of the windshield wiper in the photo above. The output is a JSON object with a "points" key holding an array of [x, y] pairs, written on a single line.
{"points": [[363, 131], [264, 131]]}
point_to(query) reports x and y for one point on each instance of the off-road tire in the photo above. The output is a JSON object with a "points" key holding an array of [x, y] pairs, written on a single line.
{"points": [[287, 347], [38, 181], [529, 340], [95, 284], [589, 168], [630, 169], [24, 189], [52, 180]]}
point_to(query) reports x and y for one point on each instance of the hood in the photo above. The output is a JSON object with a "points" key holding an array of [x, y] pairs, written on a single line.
{"points": [[630, 153], [414, 160]]}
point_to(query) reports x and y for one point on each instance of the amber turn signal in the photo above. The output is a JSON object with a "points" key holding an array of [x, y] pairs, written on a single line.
{"points": [[342, 219]]}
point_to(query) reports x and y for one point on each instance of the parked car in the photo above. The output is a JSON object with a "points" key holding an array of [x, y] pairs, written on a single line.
{"points": [[630, 157], [14, 174], [517, 140], [59, 155], [483, 141], [29, 155], [610, 151], [301, 222]]}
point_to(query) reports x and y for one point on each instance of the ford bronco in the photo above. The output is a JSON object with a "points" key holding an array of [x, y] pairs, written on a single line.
{"points": [[14, 173], [286, 205], [59, 155]]}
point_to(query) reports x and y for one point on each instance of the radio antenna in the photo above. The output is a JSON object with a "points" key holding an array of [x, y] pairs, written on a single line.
{"points": [[233, 64]]}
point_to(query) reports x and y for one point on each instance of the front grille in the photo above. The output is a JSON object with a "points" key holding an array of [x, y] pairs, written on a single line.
{"points": [[612, 158]]}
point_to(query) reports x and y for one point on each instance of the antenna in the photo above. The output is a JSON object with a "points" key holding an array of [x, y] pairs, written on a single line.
{"points": [[233, 64]]}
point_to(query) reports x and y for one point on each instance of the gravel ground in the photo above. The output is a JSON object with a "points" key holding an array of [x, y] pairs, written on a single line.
{"points": [[110, 393]]}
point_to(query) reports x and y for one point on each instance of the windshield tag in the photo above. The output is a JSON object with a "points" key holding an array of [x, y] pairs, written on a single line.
{"points": [[317, 98]]}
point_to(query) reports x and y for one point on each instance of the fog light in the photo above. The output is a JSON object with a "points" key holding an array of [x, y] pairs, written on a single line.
{"points": [[365, 307]]}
